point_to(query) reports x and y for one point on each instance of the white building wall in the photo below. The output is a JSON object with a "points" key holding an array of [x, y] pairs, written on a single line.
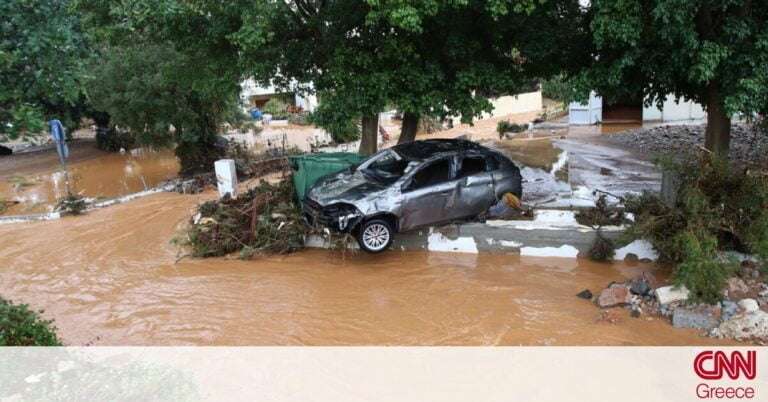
{"points": [[250, 88], [520, 103], [587, 113], [674, 111]]}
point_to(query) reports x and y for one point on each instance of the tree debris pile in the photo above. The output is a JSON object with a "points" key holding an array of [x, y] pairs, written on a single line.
{"points": [[717, 209], [265, 220]]}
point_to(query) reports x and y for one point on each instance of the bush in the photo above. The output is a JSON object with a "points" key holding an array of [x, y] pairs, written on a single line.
{"points": [[505, 126], [557, 88], [20, 326], [603, 249], [277, 108], [71, 205], [113, 140], [718, 208], [300, 119]]}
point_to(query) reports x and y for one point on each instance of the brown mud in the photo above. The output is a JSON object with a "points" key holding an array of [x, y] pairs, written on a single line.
{"points": [[111, 278]]}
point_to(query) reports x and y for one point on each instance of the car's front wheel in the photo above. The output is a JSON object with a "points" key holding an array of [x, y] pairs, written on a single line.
{"points": [[375, 236]]}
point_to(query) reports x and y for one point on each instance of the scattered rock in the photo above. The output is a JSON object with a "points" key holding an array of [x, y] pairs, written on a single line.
{"points": [[585, 294], [614, 295], [679, 140], [749, 305], [640, 286], [729, 309], [669, 294], [752, 325], [701, 317], [736, 288]]}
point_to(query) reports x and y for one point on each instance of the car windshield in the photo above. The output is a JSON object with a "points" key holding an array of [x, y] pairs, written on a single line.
{"points": [[387, 168]]}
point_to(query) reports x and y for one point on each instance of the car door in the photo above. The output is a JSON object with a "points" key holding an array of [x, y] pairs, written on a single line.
{"points": [[474, 186], [428, 194]]}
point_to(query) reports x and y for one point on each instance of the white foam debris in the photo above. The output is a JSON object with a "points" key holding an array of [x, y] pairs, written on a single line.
{"points": [[640, 248], [562, 160], [438, 242], [565, 251], [29, 218], [510, 243]]}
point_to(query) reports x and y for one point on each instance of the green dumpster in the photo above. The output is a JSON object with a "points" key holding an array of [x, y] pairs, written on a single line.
{"points": [[308, 168]]}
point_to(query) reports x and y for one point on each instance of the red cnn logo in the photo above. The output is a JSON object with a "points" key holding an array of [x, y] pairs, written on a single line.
{"points": [[710, 365]]}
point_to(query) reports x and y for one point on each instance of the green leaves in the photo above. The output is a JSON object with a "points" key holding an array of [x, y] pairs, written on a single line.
{"points": [[42, 59], [682, 48], [20, 326]]}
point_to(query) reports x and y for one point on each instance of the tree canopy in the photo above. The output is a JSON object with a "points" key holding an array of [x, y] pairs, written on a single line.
{"points": [[439, 58], [169, 71], [42, 56], [712, 51]]}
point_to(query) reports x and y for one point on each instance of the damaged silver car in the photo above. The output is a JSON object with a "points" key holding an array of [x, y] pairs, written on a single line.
{"points": [[409, 186]]}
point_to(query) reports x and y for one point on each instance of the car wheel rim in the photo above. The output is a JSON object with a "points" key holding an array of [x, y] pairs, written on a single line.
{"points": [[376, 236]]}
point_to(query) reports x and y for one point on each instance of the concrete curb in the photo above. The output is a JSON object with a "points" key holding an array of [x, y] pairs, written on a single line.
{"points": [[553, 233], [92, 206]]}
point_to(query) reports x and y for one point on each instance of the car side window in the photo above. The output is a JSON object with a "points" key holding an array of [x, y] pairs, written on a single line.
{"points": [[436, 172], [471, 165]]}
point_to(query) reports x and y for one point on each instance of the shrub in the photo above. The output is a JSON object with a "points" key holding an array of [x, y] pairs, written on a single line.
{"points": [[20, 326], [277, 108], [113, 140], [300, 119], [71, 205], [603, 249], [718, 208], [505, 126], [557, 88]]}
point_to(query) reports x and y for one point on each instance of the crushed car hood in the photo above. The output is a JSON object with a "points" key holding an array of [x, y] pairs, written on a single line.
{"points": [[343, 187]]}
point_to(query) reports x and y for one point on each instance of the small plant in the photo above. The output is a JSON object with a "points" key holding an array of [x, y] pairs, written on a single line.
{"points": [[504, 127], [20, 326], [71, 205], [603, 249]]}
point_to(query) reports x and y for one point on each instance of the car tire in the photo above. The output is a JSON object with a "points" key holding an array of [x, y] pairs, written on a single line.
{"points": [[375, 235]]}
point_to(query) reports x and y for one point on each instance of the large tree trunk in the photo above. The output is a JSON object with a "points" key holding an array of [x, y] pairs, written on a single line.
{"points": [[369, 140], [718, 133], [410, 126]]}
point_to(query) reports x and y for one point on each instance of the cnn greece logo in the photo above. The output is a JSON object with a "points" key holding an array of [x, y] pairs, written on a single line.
{"points": [[714, 365]]}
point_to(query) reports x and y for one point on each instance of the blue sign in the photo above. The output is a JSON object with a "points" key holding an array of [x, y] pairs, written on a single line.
{"points": [[59, 137]]}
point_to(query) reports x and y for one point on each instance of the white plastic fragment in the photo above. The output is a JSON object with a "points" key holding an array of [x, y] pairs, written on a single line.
{"points": [[226, 177], [565, 251], [669, 294]]}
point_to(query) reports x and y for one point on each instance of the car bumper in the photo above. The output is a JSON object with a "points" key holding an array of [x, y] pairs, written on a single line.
{"points": [[336, 219]]}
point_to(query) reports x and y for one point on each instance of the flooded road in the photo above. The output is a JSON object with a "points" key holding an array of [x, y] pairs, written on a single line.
{"points": [[31, 183], [110, 278]]}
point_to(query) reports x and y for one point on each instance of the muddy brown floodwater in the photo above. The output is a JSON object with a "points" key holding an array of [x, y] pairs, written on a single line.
{"points": [[31, 183], [110, 278]]}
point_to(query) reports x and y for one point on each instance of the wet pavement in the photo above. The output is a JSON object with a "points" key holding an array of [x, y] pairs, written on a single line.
{"points": [[111, 278], [33, 182]]}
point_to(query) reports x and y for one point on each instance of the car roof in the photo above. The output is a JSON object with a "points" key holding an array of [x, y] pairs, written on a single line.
{"points": [[420, 150]]}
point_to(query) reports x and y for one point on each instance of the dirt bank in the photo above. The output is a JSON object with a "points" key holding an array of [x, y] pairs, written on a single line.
{"points": [[109, 278]]}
